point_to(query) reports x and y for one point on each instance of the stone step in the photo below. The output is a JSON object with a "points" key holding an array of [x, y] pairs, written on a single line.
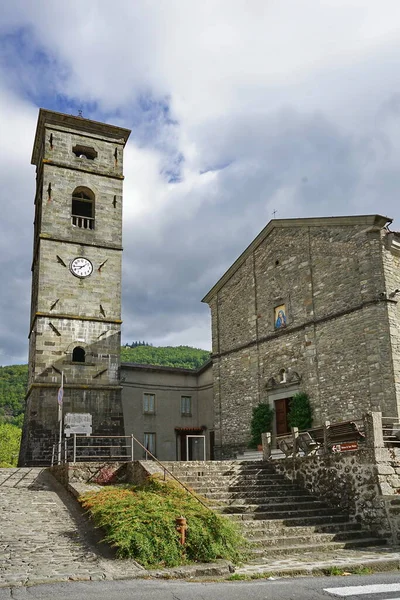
{"points": [[224, 474], [254, 529], [303, 539], [257, 497], [259, 553], [298, 520], [265, 513], [263, 479], [254, 491], [236, 467], [240, 505]]}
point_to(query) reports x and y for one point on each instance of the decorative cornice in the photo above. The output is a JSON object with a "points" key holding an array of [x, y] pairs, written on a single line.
{"points": [[72, 386], [54, 316], [44, 236], [50, 163]]}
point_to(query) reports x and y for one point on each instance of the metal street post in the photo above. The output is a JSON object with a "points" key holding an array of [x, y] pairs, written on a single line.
{"points": [[60, 396]]}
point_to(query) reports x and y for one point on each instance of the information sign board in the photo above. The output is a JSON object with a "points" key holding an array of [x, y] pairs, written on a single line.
{"points": [[79, 423]]}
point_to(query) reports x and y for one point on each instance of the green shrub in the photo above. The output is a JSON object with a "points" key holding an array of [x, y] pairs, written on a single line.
{"points": [[261, 422], [10, 439], [300, 411], [140, 523]]}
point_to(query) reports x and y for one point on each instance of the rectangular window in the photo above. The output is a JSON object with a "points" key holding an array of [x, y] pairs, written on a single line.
{"points": [[149, 443], [186, 405], [149, 404]]}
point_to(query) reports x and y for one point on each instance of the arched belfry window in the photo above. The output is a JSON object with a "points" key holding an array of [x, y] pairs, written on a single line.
{"points": [[82, 209], [78, 354]]}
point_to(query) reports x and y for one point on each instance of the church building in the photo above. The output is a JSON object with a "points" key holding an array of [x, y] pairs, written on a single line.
{"points": [[310, 306]]}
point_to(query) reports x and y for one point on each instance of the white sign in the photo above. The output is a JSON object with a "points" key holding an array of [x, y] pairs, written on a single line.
{"points": [[79, 423]]}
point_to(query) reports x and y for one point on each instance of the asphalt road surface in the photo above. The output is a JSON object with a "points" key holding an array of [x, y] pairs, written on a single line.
{"points": [[384, 586]]}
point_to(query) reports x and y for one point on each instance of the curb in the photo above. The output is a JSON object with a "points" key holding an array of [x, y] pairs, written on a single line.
{"points": [[376, 565]]}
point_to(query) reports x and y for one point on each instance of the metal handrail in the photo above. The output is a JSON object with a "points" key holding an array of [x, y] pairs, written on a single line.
{"points": [[132, 438], [166, 470]]}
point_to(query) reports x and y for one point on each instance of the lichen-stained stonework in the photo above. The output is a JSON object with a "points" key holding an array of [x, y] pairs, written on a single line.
{"points": [[68, 311], [341, 340]]}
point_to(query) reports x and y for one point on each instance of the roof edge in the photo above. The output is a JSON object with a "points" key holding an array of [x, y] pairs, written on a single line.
{"points": [[368, 220], [148, 367]]}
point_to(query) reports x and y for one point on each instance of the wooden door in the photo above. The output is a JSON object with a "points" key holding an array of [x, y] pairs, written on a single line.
{"points": [[281, 412]]}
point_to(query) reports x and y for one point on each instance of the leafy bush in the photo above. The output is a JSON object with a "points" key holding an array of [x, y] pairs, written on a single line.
{"points": [[300, 411], [261, 422], [140, 523], [10, 439]]}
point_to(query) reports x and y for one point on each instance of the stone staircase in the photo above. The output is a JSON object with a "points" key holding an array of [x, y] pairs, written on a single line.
{"points": [[278, 518]]}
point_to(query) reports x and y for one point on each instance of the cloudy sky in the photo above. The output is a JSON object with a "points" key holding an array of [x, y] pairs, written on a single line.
{"points": [[237, 108]]}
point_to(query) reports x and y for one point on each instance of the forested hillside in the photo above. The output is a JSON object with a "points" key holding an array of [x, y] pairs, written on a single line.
{"points": [[14, 379], [169, 356], [13, 382]]}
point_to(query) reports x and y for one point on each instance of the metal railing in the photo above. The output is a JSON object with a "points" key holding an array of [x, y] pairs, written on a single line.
{"points": [[327, 438], [82, 222], [78, 456], [391, 431]]}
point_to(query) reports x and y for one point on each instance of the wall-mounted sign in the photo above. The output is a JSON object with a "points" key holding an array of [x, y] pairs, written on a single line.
{"points": [[345, 447], [79, 423]]}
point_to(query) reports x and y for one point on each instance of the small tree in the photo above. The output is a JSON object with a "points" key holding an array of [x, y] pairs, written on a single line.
{"points": [[261, 422], [10, 439], [300, 411]]}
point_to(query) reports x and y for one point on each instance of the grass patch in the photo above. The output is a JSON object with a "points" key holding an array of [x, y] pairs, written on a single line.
{"points": [[349, 571], [361, 571], [140, 523], [334, 571]]}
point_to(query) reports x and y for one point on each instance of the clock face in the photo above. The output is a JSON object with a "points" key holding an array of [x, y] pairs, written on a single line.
{"points": [[81, 267]]}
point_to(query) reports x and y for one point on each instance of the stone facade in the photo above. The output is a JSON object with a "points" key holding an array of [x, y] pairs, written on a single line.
{"points": [[336, 278], [68, 312], [167, 422]]}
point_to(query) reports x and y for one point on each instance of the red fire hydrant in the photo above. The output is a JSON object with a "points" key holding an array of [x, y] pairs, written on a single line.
{"points": [[181, 526]]}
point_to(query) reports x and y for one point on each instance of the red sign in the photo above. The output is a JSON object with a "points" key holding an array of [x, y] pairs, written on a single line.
{"points": [[345, 447]]}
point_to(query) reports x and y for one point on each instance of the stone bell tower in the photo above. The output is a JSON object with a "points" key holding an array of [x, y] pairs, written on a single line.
{"points": [[76, 280]]}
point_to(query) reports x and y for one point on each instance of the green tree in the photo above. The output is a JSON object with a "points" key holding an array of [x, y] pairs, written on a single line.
{"points": [[170, 356], [10, 439], [261, 422], [300, 411]]}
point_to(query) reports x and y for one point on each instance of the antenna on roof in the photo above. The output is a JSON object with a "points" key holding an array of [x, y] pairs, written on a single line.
{"points": [[274, 212]]}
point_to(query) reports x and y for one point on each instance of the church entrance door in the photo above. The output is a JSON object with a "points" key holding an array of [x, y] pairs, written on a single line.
{"points": [[281, 412]]}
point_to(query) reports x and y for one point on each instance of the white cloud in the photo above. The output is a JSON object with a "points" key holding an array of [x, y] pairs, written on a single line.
{"points": [[287, 105]]}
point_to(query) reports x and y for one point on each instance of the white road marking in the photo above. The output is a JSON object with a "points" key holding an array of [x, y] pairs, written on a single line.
{"points": [[357, 590]]}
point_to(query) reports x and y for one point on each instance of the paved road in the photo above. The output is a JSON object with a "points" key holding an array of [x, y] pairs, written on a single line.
{"points": [[317, 588]]}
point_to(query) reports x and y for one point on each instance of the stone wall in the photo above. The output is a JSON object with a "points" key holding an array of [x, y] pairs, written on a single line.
{"points": [[365, 484], [346, 480], [337, 343], [391, 262]]}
